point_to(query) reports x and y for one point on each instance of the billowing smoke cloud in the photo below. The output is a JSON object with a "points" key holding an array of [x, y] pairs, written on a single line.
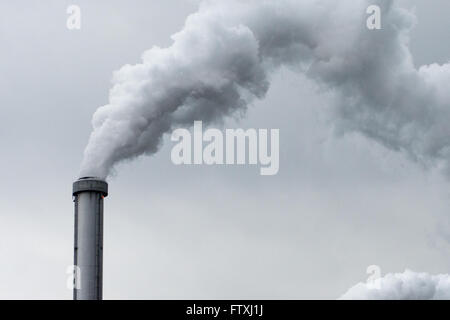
{"points": [[223, 58], [402, 286]]}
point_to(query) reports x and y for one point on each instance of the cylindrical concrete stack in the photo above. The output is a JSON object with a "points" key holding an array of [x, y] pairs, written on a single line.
{"points": [[88, 195]]}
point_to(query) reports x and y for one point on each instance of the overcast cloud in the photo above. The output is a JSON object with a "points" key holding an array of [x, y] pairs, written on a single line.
{"points": [[408, 285]]}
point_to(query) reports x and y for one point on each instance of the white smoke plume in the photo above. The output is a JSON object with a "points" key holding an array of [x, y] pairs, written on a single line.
{"points": [[408, 285], [224, 57]]}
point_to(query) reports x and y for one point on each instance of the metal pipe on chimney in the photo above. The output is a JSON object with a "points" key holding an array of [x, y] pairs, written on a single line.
{"points": [[88, 195]]}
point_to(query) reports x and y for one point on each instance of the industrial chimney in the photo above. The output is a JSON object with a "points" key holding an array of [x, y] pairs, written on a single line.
{"points": [[88, 195]]}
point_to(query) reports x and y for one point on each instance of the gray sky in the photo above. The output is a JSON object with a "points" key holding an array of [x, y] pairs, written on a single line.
{"points": [[337, 205]]}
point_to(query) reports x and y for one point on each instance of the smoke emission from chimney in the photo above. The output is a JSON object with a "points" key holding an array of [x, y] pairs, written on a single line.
{"points": [[224, 56], [408, 285]]}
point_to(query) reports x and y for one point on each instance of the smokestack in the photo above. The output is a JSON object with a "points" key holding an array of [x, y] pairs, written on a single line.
{"points": [[88, 195]]}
